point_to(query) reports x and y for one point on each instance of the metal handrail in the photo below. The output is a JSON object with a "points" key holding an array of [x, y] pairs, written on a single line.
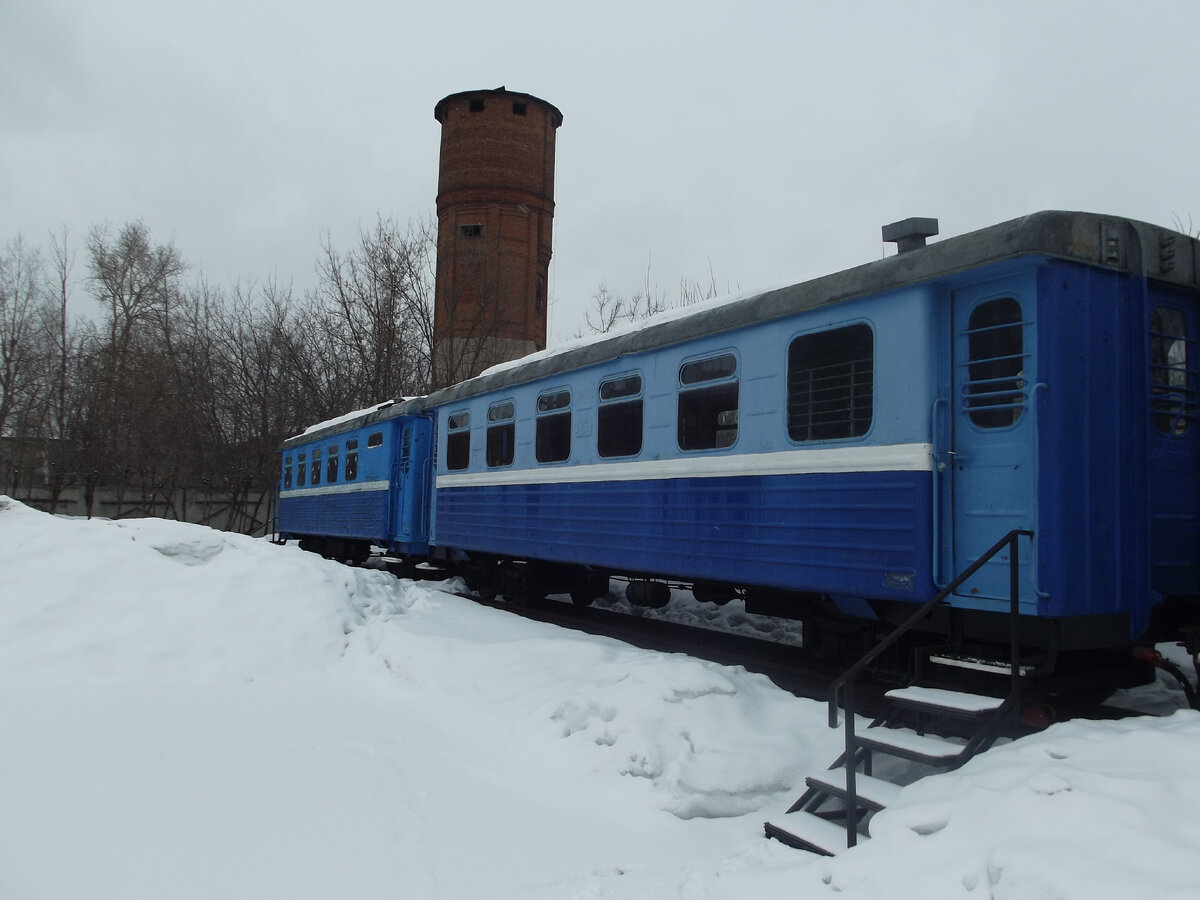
{"points": [[846, 679], [907, 625]]}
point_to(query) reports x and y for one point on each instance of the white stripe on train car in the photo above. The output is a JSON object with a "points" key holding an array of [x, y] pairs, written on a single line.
{"points": [[357, 487], [828, 460]]}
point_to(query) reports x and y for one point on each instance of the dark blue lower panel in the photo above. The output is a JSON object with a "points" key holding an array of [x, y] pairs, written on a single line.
{"points": [[362, 515], [862, 534]]}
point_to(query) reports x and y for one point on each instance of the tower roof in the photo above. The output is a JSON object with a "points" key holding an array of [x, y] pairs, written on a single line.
{"points": [[439, 111]]}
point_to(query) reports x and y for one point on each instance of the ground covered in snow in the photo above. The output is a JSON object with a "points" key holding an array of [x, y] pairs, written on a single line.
{"points": [[193, 714]]}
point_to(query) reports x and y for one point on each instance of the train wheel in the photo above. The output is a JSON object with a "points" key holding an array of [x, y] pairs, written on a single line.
{"points": [[520, 585], [403, 568], [481, 577], [591, 587], [312, 545]]}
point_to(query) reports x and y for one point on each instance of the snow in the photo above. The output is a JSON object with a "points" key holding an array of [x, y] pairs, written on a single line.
{"points": [[350, 416], [195, 714]]}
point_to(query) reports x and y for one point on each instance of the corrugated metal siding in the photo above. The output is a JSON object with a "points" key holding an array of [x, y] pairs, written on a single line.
{"points": [[848, 533], [362, 515]]}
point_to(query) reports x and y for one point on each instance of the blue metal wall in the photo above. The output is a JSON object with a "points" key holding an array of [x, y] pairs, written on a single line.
{"points": [[848, 516], [357, 509], [865, 534]]}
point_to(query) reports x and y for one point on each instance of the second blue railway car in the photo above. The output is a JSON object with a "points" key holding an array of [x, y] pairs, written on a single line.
{"points": [[836, 450]]}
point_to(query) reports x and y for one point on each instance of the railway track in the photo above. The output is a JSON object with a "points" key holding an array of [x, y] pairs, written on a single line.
{"points": [[789, 666]]}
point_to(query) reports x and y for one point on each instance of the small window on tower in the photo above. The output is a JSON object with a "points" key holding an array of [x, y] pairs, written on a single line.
{"points": [[470, 231], [476, 106], [518, 109]]}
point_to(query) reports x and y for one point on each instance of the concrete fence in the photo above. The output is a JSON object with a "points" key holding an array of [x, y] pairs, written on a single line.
{"points": [[249, 514]]}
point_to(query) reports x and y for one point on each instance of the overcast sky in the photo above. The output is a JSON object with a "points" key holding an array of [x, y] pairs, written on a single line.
{"points": [[754, 143]]}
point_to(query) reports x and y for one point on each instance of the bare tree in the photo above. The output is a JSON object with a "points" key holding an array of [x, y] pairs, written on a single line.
{"points": [[610, 309], [137, 284], [260, 396], [369, 322], [134, 280], [61, 341], [20, 296]]}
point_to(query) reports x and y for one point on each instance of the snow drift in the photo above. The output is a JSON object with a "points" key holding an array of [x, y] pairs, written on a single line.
{"points": [[195, 714]]}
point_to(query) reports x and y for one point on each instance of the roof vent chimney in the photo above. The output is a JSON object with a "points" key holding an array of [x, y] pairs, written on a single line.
{"points": [[909, 234]]}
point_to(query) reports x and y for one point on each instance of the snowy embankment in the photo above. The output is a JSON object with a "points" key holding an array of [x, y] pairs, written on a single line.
{"points": [[196, 714]]}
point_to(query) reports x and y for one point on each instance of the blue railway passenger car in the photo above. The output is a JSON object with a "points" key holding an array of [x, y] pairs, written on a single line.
{"points": [[358, 482], [841, 449]]}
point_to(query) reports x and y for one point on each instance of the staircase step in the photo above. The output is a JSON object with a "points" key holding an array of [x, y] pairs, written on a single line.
{"points": [[872, 792], [979, 664], [924, 748], [942, 702], [806, 831]]}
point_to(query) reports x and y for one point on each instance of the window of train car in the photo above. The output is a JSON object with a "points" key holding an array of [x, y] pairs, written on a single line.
{"points": [[301, 469], [331, 467], [552, 440], [501, 434], [458, 440], [351, 459], [374, 439], [831, 384], [1172, 372], [619, 417], [316, 467], [708, 403], [287, 472], [994, 395]]}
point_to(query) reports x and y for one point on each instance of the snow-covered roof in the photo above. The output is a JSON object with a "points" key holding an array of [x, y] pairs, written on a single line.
{"points": [[1085, 237], [357, 419], [341, 420]]}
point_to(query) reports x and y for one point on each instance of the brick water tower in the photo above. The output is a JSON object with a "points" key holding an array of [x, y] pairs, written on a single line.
{"points": [[495, 207]]}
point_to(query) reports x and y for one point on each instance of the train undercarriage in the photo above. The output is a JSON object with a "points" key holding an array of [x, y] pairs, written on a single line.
{"points": [[967, 648]]}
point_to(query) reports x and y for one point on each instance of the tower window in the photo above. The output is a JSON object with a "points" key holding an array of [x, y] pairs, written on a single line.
{"points": [[518, 109], [470, 231], [476, 106]]}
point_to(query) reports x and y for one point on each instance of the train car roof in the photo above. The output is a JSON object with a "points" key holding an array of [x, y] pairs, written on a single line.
{"points": [[1109, 241], [361, 418]]}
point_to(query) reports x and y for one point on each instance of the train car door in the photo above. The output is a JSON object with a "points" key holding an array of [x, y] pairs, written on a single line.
{"points": [[410, 527], [1173, 446], [993, 427]]}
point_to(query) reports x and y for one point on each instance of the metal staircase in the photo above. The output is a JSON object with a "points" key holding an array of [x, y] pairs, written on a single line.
{"points": [[833, 811]]}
